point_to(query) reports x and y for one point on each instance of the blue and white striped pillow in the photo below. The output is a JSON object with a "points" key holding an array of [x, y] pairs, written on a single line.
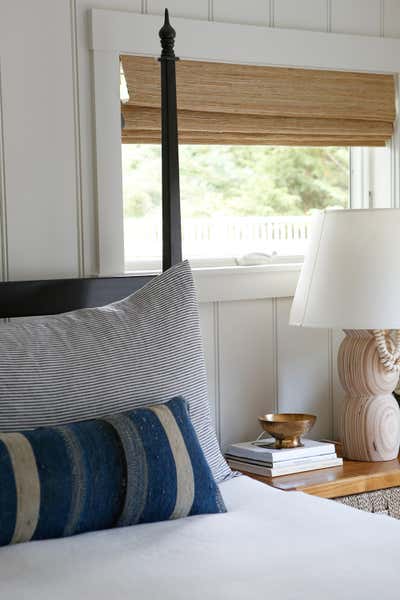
{"points": [[137, 467], [90, 363]]}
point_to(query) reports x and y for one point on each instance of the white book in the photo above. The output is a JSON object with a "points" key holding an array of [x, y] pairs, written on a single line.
{"points": [[287, 463], [264, 451], [284, 470]]}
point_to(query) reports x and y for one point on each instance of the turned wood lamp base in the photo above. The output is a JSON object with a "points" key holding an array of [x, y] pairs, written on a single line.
{"points": [[371, 415]]}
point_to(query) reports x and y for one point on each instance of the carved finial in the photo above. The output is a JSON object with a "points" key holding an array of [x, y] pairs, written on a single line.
{"points": [[167, 36]]}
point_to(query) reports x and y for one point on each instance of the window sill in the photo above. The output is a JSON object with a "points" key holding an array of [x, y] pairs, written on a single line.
{"points": [[246, 283], [219, 284]]}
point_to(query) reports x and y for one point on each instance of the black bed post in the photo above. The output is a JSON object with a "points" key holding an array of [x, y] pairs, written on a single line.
{"points": [[171, 210]]}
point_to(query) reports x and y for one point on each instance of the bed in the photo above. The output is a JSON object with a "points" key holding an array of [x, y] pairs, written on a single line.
{"points": [[269, 543]]}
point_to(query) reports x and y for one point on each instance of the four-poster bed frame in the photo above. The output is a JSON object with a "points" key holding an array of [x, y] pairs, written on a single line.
{"points": [[47, 297]]}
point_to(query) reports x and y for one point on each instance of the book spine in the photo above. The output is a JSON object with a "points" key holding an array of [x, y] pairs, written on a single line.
{"points": [[275, 458], [237, 465], [336, 462], [285, 464], [276, 472]]}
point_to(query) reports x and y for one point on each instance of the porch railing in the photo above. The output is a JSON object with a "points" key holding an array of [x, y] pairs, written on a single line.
{"points": [[220, 236]]}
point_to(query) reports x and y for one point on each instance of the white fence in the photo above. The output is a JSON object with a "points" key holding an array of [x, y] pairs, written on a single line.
{"points": [[220, 236]]}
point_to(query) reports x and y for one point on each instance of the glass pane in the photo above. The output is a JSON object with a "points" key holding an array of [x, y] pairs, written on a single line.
{"points": [[236, 200]]}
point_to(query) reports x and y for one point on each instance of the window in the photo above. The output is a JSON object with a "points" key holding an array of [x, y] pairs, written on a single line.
{"points": [[254, 167], [240, 204]]}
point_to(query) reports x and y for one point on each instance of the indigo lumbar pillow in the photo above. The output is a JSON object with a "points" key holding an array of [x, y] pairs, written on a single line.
{"points": [[94, 362], [137, 467]]}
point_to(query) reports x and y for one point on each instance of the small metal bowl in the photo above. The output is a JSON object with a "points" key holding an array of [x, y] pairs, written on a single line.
{"points": [[287, 429]]}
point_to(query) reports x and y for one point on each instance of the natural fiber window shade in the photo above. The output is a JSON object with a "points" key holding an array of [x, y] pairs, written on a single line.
{"points": [[221, 103]]}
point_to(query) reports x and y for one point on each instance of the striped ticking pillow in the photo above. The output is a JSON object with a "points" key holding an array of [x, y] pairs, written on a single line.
{"points": [[137, 467], [94, 362]]}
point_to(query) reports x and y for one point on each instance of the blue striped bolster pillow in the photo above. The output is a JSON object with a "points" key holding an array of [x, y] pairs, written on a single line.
{"points": [[141, 466]]}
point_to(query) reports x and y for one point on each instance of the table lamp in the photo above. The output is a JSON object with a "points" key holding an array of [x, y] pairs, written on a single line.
{"points": [[350, 280]]}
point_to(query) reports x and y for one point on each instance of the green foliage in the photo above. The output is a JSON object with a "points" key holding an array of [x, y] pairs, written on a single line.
{"points": [[239, 180]]}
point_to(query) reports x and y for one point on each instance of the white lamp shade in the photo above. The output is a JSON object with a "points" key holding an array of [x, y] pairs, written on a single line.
{"points": [[351, 274]]}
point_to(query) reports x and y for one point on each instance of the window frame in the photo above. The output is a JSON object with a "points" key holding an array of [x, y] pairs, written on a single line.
{"points": [[114, 33]]}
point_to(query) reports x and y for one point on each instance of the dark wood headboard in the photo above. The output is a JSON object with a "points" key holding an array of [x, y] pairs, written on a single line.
{"points": [[53, 296], [48, 297]]}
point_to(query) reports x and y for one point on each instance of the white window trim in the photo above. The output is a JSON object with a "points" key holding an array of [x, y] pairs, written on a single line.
{"points": [[395, 153], [154, 266], [113, 33], [221, 282]]}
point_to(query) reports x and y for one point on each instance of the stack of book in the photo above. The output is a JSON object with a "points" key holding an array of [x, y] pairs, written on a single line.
{"points": [[261, 458]]}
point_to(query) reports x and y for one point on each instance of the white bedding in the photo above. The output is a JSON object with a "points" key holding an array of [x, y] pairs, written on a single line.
{"points": [[271, 544]]}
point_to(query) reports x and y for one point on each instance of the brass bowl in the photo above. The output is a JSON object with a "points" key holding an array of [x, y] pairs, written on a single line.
{"points": [[287, 429]]}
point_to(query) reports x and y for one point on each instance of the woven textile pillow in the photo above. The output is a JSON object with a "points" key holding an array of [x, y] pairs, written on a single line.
{"points": [[94, 362], [142, 466]]}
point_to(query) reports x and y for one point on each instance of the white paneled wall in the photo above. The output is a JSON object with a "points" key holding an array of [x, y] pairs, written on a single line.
{"points": [[304, 369], [391, 18], [246, 366], [39, 136], [358, 16], [251, 12], [192, 10], [48, 212], [309, 14]]}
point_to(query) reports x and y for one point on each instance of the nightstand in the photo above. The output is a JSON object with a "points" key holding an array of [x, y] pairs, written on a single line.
{"points": [[370, 486]]}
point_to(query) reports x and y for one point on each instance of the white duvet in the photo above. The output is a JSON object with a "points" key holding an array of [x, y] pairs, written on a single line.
{"points": [[270, 545]]}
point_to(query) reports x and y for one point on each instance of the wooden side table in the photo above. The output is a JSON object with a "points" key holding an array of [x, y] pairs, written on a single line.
{"points": [[352, 478]]}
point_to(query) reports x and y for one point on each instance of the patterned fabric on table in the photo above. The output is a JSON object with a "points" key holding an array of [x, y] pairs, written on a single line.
{"points": [[385, 502], [90, 363], [137, 467]]}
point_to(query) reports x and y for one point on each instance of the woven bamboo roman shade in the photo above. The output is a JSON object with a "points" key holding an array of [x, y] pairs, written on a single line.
{"points": [[222, 103]]}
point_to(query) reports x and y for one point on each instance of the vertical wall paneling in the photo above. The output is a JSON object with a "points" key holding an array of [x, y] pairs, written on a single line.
{"points": [[275, 365], [3, 197], [272, 13], [209, 330], [358, 16], [77, 138], [39, 138], [309, 14], [251, 12], [328, 16], [337, 390], [210, 10], [179, 8], [246, 364], [382, 18], [217, 368], [330, 367], [391, 18], [304, 370]]}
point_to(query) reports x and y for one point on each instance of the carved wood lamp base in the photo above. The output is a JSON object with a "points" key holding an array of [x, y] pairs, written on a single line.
{"points": [[371, 415]]}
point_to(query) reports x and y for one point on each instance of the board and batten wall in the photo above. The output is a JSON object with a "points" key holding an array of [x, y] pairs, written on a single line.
{"points": [[48, 214]]}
